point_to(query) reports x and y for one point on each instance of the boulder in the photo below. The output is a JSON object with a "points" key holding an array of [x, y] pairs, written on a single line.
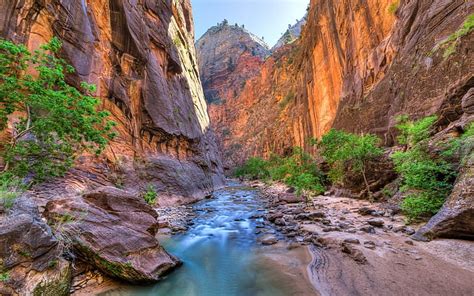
{"points": [[456, 217], [114, 231], [30, 254], [268, 239], [353, 253], [289, 198]]}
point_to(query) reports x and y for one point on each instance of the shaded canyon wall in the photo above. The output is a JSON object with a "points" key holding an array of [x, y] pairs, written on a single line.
{"points": [[141, 56]]}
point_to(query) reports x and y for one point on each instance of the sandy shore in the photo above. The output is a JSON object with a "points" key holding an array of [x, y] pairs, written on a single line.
{"points": [[362, 248]]}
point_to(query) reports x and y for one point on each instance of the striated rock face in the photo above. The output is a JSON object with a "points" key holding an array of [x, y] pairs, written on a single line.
{"points": [[228, 57], [140, 54], [114, 231]]}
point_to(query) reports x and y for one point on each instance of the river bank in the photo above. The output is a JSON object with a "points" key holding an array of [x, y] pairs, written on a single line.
{"points": [[358, 247]]}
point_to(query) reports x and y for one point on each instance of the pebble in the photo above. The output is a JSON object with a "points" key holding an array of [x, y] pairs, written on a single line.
{"points": [[268, 239], [352, 241], [369, 245], [368, 229], [375, 222]]}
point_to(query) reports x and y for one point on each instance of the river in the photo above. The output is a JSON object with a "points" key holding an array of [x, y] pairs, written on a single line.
{"points": [[222, 256]]}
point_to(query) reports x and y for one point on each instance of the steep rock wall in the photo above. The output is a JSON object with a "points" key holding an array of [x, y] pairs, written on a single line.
{"points": [[141, 56], [357, 65]]}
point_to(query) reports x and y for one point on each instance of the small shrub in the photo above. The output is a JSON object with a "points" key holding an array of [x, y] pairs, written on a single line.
{"points": [[150, 195], [4, 276], [421, 205], [451, 42], [305, 182], [10, 188], [288, 98], [413, 132], [297, 170], [392, 8], [53, 263]]}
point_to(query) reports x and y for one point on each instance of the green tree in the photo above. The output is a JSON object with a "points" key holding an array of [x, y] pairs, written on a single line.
{"points": [[254, 168], [53, 121], [298, 170], [349, 152]]}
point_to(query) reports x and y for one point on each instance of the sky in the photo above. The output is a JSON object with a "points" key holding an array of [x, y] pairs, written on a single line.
{"points": [[267, 18]]}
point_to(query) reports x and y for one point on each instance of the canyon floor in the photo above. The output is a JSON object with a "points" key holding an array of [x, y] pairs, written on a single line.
{"points": [[330, 246]]}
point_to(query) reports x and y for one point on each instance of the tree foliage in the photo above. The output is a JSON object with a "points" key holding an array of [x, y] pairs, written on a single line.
{"points": [[298, 170], [348, 152], [52, 121]]}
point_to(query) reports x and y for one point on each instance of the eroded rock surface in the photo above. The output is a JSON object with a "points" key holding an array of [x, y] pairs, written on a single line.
{"points": [[30, 255], [114, 231]]}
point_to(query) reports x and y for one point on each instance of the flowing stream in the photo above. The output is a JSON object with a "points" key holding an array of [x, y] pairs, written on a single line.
{"points": [[222, 256]]}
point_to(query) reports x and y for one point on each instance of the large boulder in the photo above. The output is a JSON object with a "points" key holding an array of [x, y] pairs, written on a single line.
{"points": [[113, 230], [456, 218], [30, 255]]}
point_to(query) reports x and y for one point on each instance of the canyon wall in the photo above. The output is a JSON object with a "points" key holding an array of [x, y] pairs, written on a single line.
{"points": [[141, 57], [356, 66]]}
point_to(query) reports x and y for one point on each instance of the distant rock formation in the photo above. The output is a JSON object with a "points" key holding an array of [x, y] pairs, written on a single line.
{"points": [[290, 35], [221, 51]]}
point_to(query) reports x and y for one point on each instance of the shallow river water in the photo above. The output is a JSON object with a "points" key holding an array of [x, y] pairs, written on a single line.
{"points": [[222, 257]]}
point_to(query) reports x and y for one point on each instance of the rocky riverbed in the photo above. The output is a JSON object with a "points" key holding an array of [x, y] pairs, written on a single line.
{"points": [[330, 246]]}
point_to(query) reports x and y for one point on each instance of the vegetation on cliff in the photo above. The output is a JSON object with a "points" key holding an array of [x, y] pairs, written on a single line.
{"points": [[49, 121], [427, 176]]}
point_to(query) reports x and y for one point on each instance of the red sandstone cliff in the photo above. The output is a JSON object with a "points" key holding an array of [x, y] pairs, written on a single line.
{"points": [[141, 56], [355, 67]]}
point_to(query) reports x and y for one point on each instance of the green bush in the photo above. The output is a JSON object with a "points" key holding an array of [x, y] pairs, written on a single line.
{"points": [[305, 181], [413, 132], [428, 177], [392, 8], [347, 152], [254, 168], [150, 195], [57, 121], [4, 276], [298, 170], [420, 205]]}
